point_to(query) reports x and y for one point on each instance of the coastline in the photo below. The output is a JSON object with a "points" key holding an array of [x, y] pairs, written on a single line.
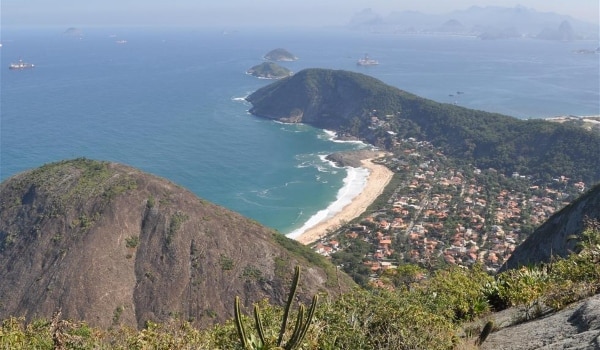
{"points": [[378, 178]]}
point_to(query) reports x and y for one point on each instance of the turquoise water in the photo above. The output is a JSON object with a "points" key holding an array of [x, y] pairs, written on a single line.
{"points": [[170, 102]]}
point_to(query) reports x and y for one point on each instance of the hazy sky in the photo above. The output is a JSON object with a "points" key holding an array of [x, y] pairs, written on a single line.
{"points": [[232, 13]]}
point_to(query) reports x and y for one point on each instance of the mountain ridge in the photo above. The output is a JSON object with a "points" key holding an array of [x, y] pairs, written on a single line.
{"points": [[357, 105], [487, 22]]}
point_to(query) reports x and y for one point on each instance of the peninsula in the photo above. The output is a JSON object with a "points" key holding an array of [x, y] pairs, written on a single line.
{"points": [[357, 106]]}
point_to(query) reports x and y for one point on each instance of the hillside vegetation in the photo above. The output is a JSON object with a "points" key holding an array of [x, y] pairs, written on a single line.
{"points": [[358, 105], [280, 54], [88, 247], [446, 309], [269, 70]]}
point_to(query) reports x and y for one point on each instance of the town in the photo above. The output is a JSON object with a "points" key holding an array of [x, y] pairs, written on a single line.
{"points": [[437, 212]]}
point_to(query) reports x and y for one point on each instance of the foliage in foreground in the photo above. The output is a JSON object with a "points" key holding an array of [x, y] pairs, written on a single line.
{"points": [[418, 314], [301, 327]]}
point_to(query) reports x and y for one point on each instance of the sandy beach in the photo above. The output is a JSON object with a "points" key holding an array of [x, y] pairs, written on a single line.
{"points": [[379, 177]]}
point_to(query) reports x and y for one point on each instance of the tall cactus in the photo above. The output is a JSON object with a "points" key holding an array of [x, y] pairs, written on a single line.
{"points": [[238, 323], [300, 328]]}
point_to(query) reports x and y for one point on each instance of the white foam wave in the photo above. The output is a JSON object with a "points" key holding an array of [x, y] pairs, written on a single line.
{"points": [[241, 99], [354, 183], [323, 158], [332, 136], [304, 165], [358, 142]]}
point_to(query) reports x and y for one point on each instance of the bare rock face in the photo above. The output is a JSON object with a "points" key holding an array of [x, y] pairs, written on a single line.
{"points": [[109, 244], [576, 327], [552, 238]]}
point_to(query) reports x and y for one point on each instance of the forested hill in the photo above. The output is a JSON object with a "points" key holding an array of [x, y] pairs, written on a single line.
{"points": [[358, 105]]}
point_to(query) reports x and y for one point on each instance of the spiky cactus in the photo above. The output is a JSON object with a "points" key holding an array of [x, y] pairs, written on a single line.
{"points": [[300, 328]]}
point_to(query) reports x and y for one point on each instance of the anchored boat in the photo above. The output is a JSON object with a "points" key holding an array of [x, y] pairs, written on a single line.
{"points": [[21, 65]]}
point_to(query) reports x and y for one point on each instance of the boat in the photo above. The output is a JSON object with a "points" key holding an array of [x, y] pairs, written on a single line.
{"points": [[367, 61], [20, 65]]}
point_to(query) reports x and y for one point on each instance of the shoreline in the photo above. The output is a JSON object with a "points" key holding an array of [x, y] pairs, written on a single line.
{"points": [[378, 178]]}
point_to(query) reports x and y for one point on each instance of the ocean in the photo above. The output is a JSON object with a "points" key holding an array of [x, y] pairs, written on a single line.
{"points": [[171, 102]]}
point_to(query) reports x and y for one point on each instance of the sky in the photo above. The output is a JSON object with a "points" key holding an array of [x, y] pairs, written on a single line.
{"points": [[240, 13]]}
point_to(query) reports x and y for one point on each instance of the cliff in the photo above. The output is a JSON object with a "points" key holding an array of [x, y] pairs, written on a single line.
{"points": [[555, 236], [109, 244]]}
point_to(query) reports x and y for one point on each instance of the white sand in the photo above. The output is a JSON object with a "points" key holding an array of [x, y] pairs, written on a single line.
{"points": [[379, 177]]}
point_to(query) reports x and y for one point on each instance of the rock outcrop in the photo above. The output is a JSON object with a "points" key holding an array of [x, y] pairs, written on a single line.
{"points": [[109, 244], [555, 236], [575, 327]]}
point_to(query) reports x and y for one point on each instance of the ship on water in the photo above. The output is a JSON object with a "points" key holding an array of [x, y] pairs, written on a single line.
{"points": [[20, 65], [367, 61]]}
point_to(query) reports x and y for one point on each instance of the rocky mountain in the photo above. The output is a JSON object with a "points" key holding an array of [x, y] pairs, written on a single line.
{"points": [[109, 244], [487, 22], [564, 32], [555, 236], [357, 105]]}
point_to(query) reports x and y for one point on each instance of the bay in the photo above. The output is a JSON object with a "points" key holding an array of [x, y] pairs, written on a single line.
{"points": [[170, 102]]}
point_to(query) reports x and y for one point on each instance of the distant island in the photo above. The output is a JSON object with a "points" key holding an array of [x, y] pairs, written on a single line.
{"points": [[280, 55], [269, 70], [72, 31]]}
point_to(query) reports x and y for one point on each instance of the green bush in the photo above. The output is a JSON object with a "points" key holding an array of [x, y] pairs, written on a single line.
{"points": [[425, 316], [459, 292]]}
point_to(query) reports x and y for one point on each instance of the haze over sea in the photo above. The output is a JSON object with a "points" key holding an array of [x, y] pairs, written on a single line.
{"points": [[170, 102]]}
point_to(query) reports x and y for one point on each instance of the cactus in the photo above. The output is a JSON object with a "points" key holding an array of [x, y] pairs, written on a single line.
{"points": [[300, 328], [238, 323]]}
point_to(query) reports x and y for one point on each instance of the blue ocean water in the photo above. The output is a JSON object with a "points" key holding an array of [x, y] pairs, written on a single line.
{"points": [[170, 102]]}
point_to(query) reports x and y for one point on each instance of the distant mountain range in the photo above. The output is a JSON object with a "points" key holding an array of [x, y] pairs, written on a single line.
{"points": [[490, 22]]}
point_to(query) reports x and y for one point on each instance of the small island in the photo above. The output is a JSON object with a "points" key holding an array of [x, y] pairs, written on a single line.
{"points": [[74, 32], [280, 55], [269, 70]]}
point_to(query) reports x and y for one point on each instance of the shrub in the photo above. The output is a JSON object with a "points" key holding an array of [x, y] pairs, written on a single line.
{"points": [[459, 291], [132, 241]]}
